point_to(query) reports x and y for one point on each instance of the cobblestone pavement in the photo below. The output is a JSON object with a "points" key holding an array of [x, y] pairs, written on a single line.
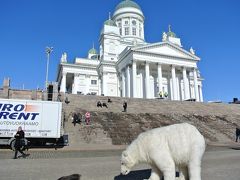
{"points": [[56, 154], [218, 164]]}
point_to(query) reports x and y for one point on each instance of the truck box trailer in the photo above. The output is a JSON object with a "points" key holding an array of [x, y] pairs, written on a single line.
{"points": [[40, 120]]}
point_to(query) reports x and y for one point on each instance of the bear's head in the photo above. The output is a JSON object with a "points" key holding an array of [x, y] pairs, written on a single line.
{"points": [[126, 163]]}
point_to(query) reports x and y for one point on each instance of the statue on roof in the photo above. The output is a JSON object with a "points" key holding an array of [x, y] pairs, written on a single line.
{"points": [[64, 57], [164, 36], [192, 51]]}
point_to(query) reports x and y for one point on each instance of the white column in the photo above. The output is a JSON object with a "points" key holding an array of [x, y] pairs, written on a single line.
{"points": [[104, 83], [174, 85], [160, 81], [123, 85], [99, 86], [134, 79], [195, 84], [147, 80], [185, 83], [128, 81], [63, 83], [74, 88], [118, 85], [200, 93]]}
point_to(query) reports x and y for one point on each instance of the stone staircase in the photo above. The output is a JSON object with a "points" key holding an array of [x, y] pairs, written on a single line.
{"points": [[111, 126]]}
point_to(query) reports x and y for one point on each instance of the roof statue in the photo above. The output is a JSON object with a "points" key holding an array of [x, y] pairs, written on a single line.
{"points": [[192, 51], [64, 57], [164, 36]]}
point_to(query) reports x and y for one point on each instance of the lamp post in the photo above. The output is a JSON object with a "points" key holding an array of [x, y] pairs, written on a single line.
{"points": [[48, 51]]}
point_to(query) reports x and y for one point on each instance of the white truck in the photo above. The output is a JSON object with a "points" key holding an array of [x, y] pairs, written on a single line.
{"points": [[40, 120]]}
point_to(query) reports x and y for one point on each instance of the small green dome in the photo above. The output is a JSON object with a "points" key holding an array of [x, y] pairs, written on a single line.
{"points": [[92, 51], [127, 3], [110, 22], [171, 34]]}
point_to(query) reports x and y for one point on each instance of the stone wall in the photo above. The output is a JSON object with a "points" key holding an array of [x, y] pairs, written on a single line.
{"points": [[25, 94]]}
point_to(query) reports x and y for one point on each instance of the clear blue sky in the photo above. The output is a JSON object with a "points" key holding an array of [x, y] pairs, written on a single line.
{"points": [[211, 27]]}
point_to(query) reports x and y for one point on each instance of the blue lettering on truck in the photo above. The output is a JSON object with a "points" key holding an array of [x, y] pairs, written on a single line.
{"points": [[18, 112]]}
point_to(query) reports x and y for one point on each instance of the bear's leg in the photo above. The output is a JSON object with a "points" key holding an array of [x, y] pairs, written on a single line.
{"points": [[165, 164], [194, 167]]}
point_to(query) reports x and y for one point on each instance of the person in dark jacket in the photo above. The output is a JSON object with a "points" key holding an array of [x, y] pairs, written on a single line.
{"points": [[125, 106], [18, 143], [237, 134]]}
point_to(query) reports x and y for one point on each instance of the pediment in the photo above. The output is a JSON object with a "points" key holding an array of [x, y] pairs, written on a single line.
{"points": [[167, 49]]}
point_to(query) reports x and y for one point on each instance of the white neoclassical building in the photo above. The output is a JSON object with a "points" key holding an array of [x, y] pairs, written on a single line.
{"points": [[128, 66]]}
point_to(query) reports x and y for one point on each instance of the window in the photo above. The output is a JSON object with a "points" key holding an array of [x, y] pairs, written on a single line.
{"points": [[119, 24], [94, 82], [134, 33], [120, 30], [126, 22], [140, 31], [134, 22], [127, 31]]}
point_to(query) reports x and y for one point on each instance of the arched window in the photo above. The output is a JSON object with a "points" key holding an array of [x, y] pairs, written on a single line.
{"points": [[134, 23]]}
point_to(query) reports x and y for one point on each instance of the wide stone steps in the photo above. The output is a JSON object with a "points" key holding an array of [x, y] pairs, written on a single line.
{"points": [[112, 126]]}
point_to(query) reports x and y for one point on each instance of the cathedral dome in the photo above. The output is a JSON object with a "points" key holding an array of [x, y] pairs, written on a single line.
{"points": [[92, 51], [110, 22], [126, 4], [170, 33]]}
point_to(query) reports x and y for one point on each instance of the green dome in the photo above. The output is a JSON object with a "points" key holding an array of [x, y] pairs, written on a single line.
{"points": [[92, 51], [171, 34], [128, 3], [110, 22]]}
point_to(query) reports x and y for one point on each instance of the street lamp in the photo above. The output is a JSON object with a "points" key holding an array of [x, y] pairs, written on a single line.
{"points": [[48, 51]]}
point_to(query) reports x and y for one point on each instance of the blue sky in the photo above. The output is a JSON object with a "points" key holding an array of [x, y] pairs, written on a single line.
{"points": [[212, 28]]}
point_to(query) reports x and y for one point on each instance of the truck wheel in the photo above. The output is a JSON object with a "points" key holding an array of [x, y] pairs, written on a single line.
{"points": [[12, 144]]}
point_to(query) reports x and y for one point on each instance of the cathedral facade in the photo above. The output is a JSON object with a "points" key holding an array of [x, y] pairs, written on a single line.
{"points": [[128, 66]]}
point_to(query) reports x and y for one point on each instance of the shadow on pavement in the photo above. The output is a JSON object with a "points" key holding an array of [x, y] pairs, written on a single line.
{"points": [[71, 177], [139, 175]]}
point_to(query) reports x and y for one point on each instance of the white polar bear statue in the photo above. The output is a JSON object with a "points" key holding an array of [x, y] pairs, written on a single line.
{"points": [[165, 149]]}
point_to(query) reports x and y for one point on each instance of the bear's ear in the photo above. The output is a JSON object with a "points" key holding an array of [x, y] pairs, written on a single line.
{"points": [[125, 154]]}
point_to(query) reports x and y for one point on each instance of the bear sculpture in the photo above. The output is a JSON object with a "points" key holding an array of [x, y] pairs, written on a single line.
{"points": [[165, 149]]}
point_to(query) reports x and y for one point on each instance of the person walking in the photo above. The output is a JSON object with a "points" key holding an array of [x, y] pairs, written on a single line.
{"points": [[237, 134], [87, 117], [18, 143], [124, 106]]}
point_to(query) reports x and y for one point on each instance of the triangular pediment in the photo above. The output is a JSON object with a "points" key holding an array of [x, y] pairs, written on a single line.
{"points": [[166, 49]]}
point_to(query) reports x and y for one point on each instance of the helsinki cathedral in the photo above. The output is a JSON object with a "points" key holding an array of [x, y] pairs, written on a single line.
{"points": [[128, 66]]}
